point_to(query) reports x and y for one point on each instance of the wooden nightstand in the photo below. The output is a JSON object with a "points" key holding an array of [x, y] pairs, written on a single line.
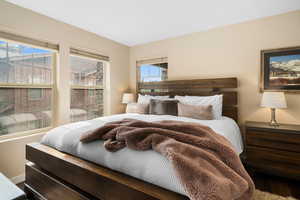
{"points": [[273, 150]]}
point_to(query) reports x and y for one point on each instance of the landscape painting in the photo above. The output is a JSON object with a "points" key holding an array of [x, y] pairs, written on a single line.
{"points": [[281, 69]]}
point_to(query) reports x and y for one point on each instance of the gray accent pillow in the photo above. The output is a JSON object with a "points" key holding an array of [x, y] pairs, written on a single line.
{"points": [[196, 112], [163, 107]]}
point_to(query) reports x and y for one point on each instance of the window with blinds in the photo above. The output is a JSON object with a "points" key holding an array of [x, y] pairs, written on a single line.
{"points": [[87, 91], [29, 82], [152, 70], [26, 85]]}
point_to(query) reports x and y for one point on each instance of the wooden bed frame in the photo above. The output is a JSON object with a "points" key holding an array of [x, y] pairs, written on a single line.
{"points": [[54, 175]]}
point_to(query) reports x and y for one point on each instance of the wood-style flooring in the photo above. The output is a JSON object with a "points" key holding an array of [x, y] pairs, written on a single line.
{"points": [[277, 185]]}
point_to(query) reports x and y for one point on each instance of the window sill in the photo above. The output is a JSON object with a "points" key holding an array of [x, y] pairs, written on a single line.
{"points": [[20, 135]]}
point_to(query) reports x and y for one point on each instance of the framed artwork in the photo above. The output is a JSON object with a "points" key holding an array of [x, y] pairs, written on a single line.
{"points": [[280, 69]]}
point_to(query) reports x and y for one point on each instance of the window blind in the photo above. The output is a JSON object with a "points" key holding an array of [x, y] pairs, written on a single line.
{"points": [[88, 54], [152, 61], [26, 40]]}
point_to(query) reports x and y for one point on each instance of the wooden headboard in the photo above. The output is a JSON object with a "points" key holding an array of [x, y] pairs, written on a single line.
{"points": [[197, 87]]}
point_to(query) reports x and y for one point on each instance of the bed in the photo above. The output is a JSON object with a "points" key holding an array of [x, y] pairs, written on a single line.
{"points": [[60, 167]]}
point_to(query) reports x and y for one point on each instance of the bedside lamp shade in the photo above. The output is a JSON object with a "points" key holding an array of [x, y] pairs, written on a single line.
{"points": [[128, 98], [273, 100]]}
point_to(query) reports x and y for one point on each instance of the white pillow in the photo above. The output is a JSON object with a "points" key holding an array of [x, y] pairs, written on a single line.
{"points": [[145, 99], [216, 101]]}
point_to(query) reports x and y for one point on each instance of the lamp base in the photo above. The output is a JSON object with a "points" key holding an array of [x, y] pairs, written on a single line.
{"points": [[273, 121]]}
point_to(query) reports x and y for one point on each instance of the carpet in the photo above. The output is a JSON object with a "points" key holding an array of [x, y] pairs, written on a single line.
{"points": [[259, 195]]}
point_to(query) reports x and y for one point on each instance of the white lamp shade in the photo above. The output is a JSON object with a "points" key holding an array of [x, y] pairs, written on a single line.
{"points": [[273, 100], [128, 98]]}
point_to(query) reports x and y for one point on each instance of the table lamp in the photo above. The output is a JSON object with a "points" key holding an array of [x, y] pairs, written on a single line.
{"points": [[273, 100]]}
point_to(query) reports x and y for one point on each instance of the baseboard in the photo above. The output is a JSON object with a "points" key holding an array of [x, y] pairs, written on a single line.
{"points": [[18, 179]]}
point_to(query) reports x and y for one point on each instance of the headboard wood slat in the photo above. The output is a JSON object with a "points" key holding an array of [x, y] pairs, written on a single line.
{"points": [[194, 83]]}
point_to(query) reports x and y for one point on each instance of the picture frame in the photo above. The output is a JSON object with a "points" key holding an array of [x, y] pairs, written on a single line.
{"points": [[280, 70]]}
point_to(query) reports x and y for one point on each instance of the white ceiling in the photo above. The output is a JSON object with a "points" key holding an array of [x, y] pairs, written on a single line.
{"points": [[133, 22]]}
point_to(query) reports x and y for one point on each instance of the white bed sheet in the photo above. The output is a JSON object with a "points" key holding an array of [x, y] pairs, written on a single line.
{"points": [[149, 165]]}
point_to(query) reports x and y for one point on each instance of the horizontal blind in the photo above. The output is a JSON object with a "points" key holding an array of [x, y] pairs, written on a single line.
{"points": [[26, 40], [152, 61], [88, 54]]}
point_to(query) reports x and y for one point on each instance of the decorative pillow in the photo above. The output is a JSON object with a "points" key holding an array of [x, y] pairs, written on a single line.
{"points": [[163, 107], [137, 108], [216, 101], [196, 112], [146, 98]]}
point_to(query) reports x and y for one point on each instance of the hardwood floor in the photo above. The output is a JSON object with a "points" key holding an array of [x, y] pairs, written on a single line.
{"points": [[277, 185], [272, 184]]}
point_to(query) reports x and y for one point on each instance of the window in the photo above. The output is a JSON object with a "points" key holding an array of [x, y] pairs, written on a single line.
{"points": [[27, 79], [26, 82], [86, 88], [152, 70]]}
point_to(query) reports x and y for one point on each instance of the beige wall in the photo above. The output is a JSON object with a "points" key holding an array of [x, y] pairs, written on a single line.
{"points": [[230, 51], [27, 23]]}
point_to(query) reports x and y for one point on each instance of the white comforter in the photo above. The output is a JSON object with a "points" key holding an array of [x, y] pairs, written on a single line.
{"points": [[145, 165]]}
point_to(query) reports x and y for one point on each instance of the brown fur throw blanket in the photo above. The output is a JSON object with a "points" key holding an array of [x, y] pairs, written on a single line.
{"points": [[205, 162]]}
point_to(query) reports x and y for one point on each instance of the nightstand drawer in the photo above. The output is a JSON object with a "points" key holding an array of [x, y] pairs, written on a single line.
{"points": [[280, 141], [273, 161]]}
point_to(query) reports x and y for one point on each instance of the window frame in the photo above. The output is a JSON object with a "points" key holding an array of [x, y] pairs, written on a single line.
{"points": [[153, 61], [85, 55], [11, 38]]}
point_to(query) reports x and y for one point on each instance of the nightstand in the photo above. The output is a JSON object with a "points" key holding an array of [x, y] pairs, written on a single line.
{"points": [[273, 150]]}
